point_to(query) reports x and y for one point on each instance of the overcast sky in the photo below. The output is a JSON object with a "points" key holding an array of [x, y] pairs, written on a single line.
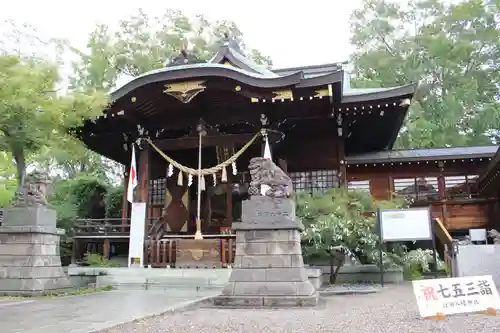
{"points": [[292, 33]]}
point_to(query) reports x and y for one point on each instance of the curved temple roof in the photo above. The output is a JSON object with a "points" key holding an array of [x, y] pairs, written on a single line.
{"points": [[230, 63], [142, 101]]}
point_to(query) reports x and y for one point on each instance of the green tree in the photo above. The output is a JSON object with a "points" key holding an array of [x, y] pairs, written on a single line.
{"points": [[69, 158], [32, 114], [143, 43], [92, 71], [451, 50], [7, 179]]}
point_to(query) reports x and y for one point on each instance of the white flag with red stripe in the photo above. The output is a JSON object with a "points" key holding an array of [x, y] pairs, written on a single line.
{"points": [[132, 178], [267, 155]]}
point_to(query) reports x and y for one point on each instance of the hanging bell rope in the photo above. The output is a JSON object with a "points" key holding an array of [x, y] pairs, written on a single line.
{"points": [[222, 166]]}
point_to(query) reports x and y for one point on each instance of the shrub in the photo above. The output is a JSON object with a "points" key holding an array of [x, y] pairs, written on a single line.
{"points": [[346, 220], [341, 218], [97, 260]]}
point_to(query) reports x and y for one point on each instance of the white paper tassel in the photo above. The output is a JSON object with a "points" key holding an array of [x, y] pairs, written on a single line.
{"points": [[202, 183], [215, 179], [223, 178], [170, 171], [235, 171], [180, 178], [190, 179]]}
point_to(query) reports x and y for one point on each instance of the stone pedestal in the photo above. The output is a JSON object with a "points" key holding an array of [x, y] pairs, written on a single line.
{"points": [[30, 263], [268, 268]]}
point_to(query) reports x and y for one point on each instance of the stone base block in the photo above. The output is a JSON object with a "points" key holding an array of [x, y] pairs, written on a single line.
{"points": [[268, 266], [303, 288], [29, 216], [266, 301], [37, 272], [30, 263], [34, 286]]}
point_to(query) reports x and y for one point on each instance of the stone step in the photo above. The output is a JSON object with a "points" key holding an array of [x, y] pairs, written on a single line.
{"points": [[159, 283]]}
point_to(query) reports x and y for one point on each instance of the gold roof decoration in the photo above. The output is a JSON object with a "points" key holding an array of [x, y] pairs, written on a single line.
{"points": [[185, 91]]}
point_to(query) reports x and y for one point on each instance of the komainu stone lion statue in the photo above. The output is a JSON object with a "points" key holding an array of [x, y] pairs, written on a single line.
{"points": [[265, 172], [495, 235], [34, 191]]}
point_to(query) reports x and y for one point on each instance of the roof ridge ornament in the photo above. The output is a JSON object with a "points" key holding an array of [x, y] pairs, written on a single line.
{"points": [[231, 43], [184, 57]]}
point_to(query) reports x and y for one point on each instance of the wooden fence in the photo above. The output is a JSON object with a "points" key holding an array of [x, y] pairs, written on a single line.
{"points": [[166, 252]]}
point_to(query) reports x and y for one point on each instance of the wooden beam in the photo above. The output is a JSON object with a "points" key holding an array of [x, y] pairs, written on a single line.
{"points": [[222, 140]]}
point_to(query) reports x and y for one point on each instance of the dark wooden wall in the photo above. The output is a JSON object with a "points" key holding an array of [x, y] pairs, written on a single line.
{"points": [[310, 154]]}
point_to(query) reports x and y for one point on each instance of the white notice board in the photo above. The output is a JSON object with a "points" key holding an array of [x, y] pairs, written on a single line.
{"points": [[136, 241], [455, 295], [405, 224]]}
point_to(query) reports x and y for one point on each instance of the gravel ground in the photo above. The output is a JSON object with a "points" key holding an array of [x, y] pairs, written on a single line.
{"points": [[391, 310]]}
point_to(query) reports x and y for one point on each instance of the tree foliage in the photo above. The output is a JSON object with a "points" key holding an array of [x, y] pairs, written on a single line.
{"points": [[341, 218], [114, 201], [347, 219], [451, 50], [8, 181], [32, 114], [143, 42]]}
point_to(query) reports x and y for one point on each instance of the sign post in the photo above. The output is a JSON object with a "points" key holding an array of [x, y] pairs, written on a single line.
{"points": [[439, 297], [136, 241], [404, 225]]}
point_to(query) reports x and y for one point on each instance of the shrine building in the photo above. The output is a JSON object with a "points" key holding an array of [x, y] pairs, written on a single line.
{"points": [[322, 132]]}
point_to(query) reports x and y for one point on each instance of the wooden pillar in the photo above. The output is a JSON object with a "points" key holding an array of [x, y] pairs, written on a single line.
{"points": [[390, 194], [105, 248], [442, 197], [143, 188], [124, 200], [142, 193], [74, 251], [229, 199], [341, 162]]}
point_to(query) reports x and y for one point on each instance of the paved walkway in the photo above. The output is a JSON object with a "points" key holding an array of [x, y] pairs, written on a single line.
{"points": [[87, 313]]}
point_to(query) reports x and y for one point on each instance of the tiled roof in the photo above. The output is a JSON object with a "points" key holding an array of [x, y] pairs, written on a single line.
{"points": [[423, 154]]}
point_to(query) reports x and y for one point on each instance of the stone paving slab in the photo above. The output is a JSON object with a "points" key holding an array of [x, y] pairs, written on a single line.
{"points": [[91, 312]]}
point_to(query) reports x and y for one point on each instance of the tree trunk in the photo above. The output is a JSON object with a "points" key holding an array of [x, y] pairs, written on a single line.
{"points": [[335, 265], [332, 271], [20, 160]]}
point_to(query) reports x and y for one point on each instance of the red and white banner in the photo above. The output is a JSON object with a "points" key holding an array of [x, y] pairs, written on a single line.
{"points": [[132, 178]]}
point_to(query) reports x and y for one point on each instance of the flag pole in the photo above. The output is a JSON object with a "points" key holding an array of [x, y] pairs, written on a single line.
{"points": [[267, 155], [198, 234]]}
